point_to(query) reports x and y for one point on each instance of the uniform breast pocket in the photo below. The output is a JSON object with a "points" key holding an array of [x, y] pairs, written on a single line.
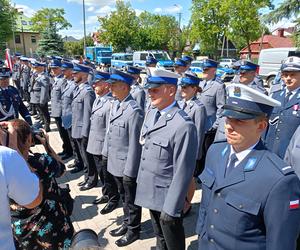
{"points": [[121, 128], [208, 180], [78, 105], [160, 148], [241, 212], [209, 99]]}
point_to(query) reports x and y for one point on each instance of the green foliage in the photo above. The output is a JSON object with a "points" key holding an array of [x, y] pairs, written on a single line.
{"points": [[46, 17], [76, 48], [7, 19]]}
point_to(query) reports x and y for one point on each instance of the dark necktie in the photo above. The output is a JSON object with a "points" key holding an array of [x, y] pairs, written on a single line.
{"points": [[287, 97], [231, 165], [184, 105], [157, 115]]}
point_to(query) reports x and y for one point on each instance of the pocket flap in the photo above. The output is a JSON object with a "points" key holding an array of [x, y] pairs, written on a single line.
{"points": [[242, 203], [121, 124], [161, 142], [121, 156], [207, 178], [162, 181]]}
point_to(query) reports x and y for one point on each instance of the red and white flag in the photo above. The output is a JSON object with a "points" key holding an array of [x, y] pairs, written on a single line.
{"points": [[294, 204], [8, 60]]}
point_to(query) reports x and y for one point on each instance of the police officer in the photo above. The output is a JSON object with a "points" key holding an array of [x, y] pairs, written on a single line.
{"points": [[292, 154], [123, 151], [39, 92], [245, 186], [58, 86], [11, 103], [169, 139], [83, 100], [16, 71], [137, 91], [66, 117], [197, 112], [25, 78], [99, 121], [285, 119]]}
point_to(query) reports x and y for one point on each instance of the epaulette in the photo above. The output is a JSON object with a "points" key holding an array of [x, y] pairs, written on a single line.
{"points": [[89, 88], [280, 164], [198, 102], [184, 115], [134, 105], [218, 80], [219, 141]]}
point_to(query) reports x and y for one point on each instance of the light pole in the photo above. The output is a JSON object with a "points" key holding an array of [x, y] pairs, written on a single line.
{"points": [[22, 30], [84, 29]]}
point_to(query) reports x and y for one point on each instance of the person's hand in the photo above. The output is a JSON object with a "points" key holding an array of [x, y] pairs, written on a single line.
{"points": [[43, 138], [167, 219], [8, 134]]}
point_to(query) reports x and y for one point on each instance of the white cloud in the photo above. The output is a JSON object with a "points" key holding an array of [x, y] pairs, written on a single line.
{"points": [[77, 33], [158, 10], [91, 20], [176, 8], [94, 2], [105, 10], [284, 23], [91, 9], [26, 10], [138, 11]]}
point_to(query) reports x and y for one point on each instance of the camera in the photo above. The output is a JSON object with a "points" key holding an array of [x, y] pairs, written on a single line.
{"points": [[36, 130]]}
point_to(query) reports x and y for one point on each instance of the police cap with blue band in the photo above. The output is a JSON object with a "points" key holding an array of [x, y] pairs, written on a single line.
{"points": [[66, 64], [187, 59], [120, 76], [180, 63], [150, 60], [5, 72], [39, 64], [99, 75], [245, 103], [133, 70], [189, 80], [247, 66], [209, 63], [292, 63], [161, 76], [80, 68], [24, 58], [55, 63]]}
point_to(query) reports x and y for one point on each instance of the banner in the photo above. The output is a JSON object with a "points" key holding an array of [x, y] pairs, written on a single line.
{"points": [[8, 60]]}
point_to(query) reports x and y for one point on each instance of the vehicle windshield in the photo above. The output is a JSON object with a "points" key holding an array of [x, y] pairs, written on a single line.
{"points": [[104, 53], [128, 58], [161, 56]]}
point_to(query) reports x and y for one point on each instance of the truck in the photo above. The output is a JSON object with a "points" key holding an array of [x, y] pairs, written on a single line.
{"points": [[99, 54], [163, 58], [121, 60]]}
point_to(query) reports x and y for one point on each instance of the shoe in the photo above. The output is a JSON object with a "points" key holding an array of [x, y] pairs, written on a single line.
{"points": [[66, 156], [118, 231], [87, 186], [110, 206], [82, 183], [127, 239], [102, 200], [47, 128], [76, 170]]}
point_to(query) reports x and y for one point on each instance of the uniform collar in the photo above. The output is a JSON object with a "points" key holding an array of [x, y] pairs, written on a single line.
{"points": [[167, 109], [243, 154]]}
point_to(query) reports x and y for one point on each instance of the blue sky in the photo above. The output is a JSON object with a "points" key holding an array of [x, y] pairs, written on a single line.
{"points": [[96, 8]]}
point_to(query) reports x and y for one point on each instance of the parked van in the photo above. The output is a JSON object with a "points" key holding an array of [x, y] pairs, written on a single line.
{"points": [[121, 60], [270, 61], [163, 58]]}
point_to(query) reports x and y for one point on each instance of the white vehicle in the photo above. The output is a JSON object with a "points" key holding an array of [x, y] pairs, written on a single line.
{"points": [[270, 61], [227, 62]]}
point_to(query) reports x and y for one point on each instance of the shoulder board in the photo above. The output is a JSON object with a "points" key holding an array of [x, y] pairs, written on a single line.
{"points": [[184, 115], [198, 102], [89, 88], [219, 141], [133, 104], [218, 80], [280, 164]]}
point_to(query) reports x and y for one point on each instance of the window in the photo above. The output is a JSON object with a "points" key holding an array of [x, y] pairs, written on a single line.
{"points": [[30, 23], [33, 39], [24, 22], [17, 39], [143, 56]]}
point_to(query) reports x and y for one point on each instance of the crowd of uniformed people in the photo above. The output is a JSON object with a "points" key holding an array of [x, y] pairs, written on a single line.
{"points": [[151, 140]]}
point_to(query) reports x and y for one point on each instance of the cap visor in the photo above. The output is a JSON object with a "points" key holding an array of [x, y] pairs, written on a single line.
{"points": [[151, 85], [238, 115]]}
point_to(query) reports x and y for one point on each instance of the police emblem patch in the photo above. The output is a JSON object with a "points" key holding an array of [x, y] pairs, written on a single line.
{"points": [[237, 91]]}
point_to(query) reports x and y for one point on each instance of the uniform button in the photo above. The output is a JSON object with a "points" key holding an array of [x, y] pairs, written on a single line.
{"points": [[110, 130], [212, 226], [216, 211], [148, 137], [277, 138], [146, 148], [212, 240], [280, 121], [241, 206], [278, 130], [143, 158], [219, 194]]}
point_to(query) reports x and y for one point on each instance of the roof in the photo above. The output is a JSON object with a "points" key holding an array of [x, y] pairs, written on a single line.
{"points": [[24, 22], [272, 41]]}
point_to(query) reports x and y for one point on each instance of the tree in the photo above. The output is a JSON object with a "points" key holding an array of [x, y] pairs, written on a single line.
{"points": [[7, 18], [76, 48], [120, 27], [287, 9], [46, 17]]}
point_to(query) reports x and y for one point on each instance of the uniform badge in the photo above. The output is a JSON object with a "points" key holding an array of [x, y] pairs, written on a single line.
{"points": [[294, 204], [295, 109], [168, 115], [224, 151], [250, 164], [237, 91]]}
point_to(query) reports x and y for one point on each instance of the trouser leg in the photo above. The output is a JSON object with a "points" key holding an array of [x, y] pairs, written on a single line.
{"points": [[88, 161], [119, 181], [75, 148], [110, 183], [44, 113], [67, 148], [160, 240]]}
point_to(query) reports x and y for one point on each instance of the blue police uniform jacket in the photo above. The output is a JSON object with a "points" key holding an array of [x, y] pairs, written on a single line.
{"points": [[213, 98], [292, 154], [39, 89], [283, 122], [139, 95], [250, 208], [99, 123], [56, 96], [66, 103], [121, 145], [11, 105], [82, 103], [167, 162], [25, 76]]}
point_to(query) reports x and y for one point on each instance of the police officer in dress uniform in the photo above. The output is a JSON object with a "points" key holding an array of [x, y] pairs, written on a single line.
{"points": [[196, 110], [16, 71], [169, 139], [66, 116], [285, 119], [58, 86], [292, 154], [180, 67], [213, 98], [39, 92], [99, 122], [11, 103], [150, 65], [83, 100], [250, 197], [123, 151], [25, 78], [137, 92]]}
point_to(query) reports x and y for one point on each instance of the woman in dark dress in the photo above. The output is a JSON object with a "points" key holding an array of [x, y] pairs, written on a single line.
{"points": [[47, 226]]}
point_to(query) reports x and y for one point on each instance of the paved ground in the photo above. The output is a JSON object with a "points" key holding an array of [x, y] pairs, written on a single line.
{"points": [[87, 215]]}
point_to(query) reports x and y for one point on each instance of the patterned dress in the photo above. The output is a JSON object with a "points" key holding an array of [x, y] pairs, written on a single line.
{"points": [[46, 226]]}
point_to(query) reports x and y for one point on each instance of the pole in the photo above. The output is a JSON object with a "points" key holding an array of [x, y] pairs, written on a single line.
{"points": [[23, 38], [84, 28]]}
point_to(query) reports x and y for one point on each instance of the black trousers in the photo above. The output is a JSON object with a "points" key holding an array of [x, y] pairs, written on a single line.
{"points": [[88, 161], [169, 236], [132, 213], [67, 147], [17, 83], [44, 113], [75, 148], [110, 187]]}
